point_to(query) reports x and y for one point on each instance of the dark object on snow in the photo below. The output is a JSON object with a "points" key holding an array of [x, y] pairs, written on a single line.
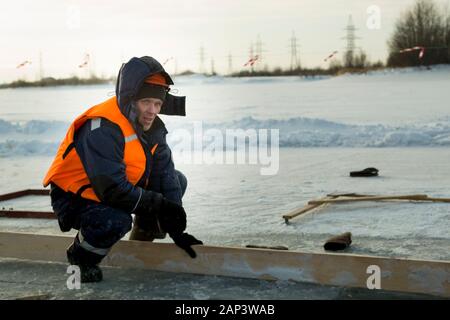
{"points": [[368, 172], [254, 246], [339, 242]]}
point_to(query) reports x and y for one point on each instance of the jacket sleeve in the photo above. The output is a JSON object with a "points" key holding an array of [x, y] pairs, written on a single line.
{"points": [[163, 177], [101, 150]]}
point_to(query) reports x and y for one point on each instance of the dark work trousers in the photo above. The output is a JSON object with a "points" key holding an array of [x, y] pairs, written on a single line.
{"points": [[99, 226]]}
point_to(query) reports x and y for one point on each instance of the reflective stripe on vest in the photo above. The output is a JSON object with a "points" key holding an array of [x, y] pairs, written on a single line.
{"points": [[67, 170]]}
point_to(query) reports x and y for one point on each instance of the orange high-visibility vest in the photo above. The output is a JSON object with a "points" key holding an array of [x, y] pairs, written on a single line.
{"points": [[67, 170]]}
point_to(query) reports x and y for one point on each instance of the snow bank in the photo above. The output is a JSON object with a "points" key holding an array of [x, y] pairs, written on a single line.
{"points": [[43, 137], [35, 137]]}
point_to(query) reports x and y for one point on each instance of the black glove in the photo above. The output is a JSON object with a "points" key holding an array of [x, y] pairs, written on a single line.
{"points": [[171, 217], [185, 241]]}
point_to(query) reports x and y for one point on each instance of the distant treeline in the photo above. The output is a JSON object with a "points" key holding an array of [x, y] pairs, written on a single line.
{"points": [[333, 70], [48, 82], [425, 25]]}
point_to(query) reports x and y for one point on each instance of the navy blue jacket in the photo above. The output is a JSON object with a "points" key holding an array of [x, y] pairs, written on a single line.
{"points": [[100, 145]]}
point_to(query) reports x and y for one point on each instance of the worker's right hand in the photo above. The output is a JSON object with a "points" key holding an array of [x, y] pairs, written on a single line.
{"points": [[185, 241], [171, 217]]}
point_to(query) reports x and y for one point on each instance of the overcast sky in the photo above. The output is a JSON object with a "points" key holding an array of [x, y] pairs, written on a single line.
{"points": [[114, 31]]}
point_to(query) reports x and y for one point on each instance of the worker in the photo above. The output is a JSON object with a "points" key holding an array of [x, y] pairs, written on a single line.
{"points": [[114, 162]]}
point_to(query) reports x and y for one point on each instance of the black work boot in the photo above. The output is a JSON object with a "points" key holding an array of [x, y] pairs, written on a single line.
{"points": [[87, 261]]}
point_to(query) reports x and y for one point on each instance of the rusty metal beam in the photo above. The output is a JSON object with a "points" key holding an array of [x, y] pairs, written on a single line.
{"points": [[11, 213]]}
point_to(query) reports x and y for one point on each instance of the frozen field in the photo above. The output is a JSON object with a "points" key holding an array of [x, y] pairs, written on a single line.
{"points": [[396, 121]]}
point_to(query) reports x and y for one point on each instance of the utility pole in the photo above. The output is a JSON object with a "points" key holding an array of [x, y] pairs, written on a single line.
{"points": [[41, 67], [295, 62], [213, 72], [91, 67], [230, 64], [259, 51], [202, 60], [251, 57], [350, 37]]}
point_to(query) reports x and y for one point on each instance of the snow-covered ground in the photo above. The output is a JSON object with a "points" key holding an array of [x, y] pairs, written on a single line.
{"points": [[383, 109], [397, 121]]}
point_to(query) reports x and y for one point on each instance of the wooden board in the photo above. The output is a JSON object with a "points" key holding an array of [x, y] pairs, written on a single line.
{"points": [[306, 209], [418, 197], [429, 277], [309, 208]]}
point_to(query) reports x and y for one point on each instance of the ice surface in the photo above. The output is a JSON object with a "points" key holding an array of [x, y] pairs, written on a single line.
{"points": [[235, 205], [20, 279]]}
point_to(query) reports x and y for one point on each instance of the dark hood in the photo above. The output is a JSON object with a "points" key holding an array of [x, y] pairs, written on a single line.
{"points": [[130, 79]]}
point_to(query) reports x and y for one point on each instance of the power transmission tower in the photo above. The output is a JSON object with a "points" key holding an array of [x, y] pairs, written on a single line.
{"points": [[202, 60], [213, 72], [91, 67], [350, 37], [295, 61], [259, 51], [230, 64], [251, 56], [41, 66]]}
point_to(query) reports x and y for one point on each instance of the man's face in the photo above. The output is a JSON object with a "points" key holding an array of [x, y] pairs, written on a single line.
{"points": [[148, 108]]}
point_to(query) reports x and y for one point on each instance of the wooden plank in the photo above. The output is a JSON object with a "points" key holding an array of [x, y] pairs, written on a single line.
{"points": [[305, 209], [309, 208], [39, 296], [437, 199], [300, 211], [418, 276], [418, 197]]}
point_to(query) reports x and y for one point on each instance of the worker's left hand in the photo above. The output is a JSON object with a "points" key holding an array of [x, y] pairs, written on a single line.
{"points": [[185, 241]]}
